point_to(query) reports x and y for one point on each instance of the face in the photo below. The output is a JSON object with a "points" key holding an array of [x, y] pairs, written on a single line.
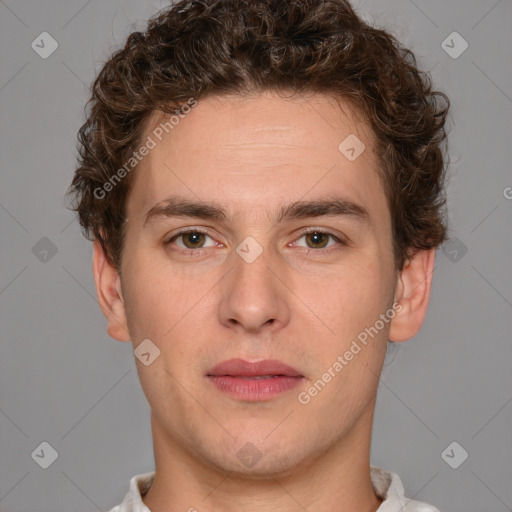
{"points": [[259, 278]]}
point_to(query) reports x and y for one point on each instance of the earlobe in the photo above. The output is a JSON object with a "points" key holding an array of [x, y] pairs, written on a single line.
{"points": [[110, 296], [413, 294]]}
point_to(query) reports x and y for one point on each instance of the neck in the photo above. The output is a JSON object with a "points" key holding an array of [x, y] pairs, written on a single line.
{"points": [[338, 480]]}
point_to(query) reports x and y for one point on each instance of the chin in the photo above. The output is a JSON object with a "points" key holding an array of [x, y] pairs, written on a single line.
{"points": [[258, 460], [269, 466]]}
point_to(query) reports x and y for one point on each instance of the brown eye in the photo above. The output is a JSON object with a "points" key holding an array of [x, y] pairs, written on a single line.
{"points": [[187, 240], [320, 242], [192, 239], [318, 239]]}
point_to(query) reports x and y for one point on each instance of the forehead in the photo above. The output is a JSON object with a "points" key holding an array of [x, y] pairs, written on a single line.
{"points": [[262, 149]]}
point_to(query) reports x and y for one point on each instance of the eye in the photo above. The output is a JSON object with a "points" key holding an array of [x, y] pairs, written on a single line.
{"points": [[191, 239], [194, 239], [319, 239]]}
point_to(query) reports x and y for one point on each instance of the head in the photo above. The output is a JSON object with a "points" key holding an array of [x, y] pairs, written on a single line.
{"points": [[299, 149]]}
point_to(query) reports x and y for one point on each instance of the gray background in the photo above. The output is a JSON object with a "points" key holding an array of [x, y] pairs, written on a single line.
{"points": [[65, 382]]}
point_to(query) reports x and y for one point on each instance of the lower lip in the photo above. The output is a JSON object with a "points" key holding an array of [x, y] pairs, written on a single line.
{"points": [[254, 390]]}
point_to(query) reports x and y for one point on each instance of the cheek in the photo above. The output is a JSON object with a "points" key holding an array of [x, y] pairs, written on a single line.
{"points": [[157, 299], [350, 298], [173, 313], [145, 310]]}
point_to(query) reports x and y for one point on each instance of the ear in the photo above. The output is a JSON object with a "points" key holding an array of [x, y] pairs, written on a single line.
{"points": [[110, 295], [413, 293]]}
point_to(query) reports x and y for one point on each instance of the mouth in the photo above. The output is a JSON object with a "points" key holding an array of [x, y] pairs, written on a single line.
{"points": [[253, 381]]}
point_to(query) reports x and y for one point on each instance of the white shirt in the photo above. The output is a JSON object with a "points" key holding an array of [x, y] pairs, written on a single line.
{"points": [[387, 485]]}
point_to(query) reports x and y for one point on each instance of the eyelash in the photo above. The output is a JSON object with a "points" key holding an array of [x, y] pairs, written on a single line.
{"points": [[308, 251]]}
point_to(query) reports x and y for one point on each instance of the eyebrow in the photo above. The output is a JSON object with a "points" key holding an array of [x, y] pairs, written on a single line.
{"points": [[176, 206]]}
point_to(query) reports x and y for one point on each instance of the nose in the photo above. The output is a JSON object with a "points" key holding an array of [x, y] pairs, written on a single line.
{"points": [[254, 297]]}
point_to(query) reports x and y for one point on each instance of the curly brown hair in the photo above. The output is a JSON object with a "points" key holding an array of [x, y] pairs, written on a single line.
{"points": [[197, 48]]}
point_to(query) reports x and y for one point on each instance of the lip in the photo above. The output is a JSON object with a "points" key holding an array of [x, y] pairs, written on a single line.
{"points": [[254, 381]]}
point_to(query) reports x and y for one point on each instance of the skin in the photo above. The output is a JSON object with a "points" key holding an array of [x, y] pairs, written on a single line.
{"points": [[254, 154]]}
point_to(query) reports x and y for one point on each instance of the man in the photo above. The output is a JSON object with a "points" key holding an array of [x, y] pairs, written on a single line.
{"points": [[263, 181]]}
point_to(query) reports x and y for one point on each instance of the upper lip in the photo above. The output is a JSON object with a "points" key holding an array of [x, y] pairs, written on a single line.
{"points": [[242, 368]]}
